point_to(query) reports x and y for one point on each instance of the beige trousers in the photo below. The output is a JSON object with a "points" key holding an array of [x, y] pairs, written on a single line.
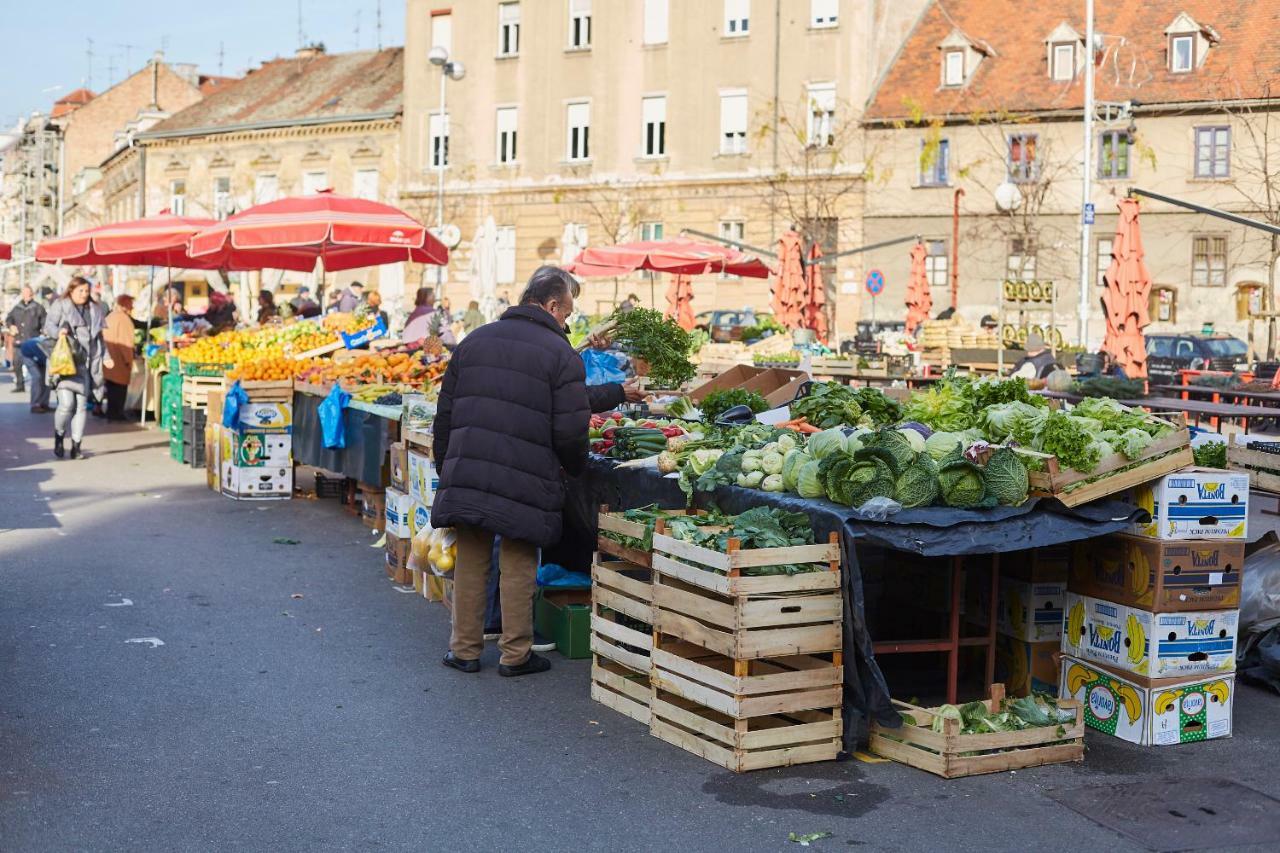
{"points": [[517, 583]]}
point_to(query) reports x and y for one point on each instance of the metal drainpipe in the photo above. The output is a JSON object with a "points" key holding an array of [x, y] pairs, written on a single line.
{"points": [[777, 93], [955, 250]]}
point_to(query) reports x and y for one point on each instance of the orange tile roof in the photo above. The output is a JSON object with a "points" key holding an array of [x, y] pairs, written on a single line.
{"points": [[71, 102], [1132, 65]]}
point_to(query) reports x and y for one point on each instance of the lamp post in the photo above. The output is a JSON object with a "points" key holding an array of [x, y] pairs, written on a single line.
{"points": [[449, 69]]}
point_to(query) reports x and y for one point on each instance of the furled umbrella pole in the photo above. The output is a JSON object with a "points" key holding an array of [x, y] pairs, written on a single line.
{"points": [[814, 313], [679, 257], [1128, 287], [919, 297], [680, 301], [789, 282]]}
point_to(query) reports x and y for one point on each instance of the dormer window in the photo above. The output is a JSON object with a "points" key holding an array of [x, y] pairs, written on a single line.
{"points": [[1063, 62], [1182, 53], [953, 68]]}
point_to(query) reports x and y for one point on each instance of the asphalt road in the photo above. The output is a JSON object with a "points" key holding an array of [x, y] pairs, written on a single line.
{"points": [[298, 703]]}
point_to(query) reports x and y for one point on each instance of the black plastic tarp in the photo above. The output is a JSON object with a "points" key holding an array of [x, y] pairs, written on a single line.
{"points": [[368, 438], [928, 531]]}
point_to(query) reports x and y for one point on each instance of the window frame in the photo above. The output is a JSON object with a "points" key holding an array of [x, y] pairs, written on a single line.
{"points": [[732, 229], [939, 174], [1114, 137], [828, 119], [178, 196], [1014, 250], [947, 56], [648, 137], [1190, 39], [1100, 268], [824, 22], [447, 19], [738, 137], [649, 38], [576, 40], [1212, 241], [736, 12], [501, 259], [1053, 61], [500, 154], [508, 30], [355, 182], [1030, 168], [443, 118], [259, 181], [221, 211], [1214, 147], [569, 141], [309, 177], [931, 264]]}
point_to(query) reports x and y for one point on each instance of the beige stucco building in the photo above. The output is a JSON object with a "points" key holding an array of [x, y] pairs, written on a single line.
{"points": [[987, 98], [291, 127], [585, 122]]}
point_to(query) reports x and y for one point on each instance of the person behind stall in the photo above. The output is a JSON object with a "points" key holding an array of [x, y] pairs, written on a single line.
{"points": [[303, 305], [118, 337], [24, 321], [222, 313], [511, 420], [373, 307], [1039, 362], [351, 298], [473, 318], [267, 310], [427, 320], [80, 319]]}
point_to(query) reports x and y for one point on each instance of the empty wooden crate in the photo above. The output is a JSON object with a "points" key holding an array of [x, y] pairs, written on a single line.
{"points": [[621, 636]]}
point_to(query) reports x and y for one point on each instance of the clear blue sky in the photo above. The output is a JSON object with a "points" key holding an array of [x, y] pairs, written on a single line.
{"points": [[43, 45]]}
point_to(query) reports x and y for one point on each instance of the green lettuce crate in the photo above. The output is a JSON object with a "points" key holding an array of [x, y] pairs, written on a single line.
{"points": [[564, 615]]}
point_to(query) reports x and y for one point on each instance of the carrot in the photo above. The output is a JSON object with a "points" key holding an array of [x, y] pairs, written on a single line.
{"points": [[807, 429]]}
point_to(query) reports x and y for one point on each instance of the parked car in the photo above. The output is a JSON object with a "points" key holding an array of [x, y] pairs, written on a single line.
{"points": [[725, 326], [1167, 353]]}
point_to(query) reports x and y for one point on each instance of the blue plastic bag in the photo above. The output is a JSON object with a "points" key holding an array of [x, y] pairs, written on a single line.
{"points": [[603, 367], [331, 423], [236, 397], [557, 576]]}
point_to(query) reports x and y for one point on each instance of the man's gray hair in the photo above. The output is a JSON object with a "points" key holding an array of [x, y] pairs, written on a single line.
{"points": [[549, 283]]}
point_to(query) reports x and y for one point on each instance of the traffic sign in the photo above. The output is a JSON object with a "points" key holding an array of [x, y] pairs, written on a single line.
{"points": [[1088, 214], [875, 282]]}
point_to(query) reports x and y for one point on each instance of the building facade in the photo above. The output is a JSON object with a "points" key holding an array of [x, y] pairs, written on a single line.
{"points": [[985, 105], [291, 127], [584, 122]]}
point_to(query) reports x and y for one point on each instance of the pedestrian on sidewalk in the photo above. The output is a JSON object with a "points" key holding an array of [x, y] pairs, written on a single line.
{"points": [[510, 422], [81, 320], [25, 320], [118, 338], [33, 357]]}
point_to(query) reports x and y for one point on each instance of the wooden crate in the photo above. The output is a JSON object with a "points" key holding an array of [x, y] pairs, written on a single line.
{"points": [[315, 390], [615, 522], [949, 753], [264, 390], [1263, 467], [1116, 472], [621, 688], [621, 592], [195, 390], [744, 617], [746, 715]]}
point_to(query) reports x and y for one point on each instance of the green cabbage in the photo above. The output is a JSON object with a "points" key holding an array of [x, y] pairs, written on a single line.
{"points": [[855, 437], [821, 444], [943, 407], [940, 444], [1006, 477], [788, 442], [917, 485], [1015, 419], [868, 479], [701, 461], [960, 482], [834, 470], [914, 438], [751, 460], [894, 448], [791, 465], [771, 463], [772, 483], [751, 479], [809, 483]]}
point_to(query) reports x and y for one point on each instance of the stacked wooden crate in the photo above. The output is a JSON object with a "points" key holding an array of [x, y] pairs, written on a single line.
{"points": [[746, 669]]}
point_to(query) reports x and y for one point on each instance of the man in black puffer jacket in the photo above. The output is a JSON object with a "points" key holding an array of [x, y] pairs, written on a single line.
{"points": [[511, 422]]}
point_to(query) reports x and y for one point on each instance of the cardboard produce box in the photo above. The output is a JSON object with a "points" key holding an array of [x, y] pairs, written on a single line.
{"points": [[399, 466], [777, 385], [1049, 563], [1027, 610], [734, 377], [1159, 575], [1153, 645], [1195, 503], [419, 519], [564, 615], [1150, 712], [269, 482], [398, 559], [276, 417], [422, 478], [1024, 667], [373, 507], [399, 506]]}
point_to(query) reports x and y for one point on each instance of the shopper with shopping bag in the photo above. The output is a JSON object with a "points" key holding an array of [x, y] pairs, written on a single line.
{"points": [[74, 369]]}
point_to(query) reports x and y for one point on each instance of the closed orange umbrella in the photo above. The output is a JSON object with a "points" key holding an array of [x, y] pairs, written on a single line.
{"points": [[1128, 287], [814, 314], [680, 301], [789, 282], [919, 297]]}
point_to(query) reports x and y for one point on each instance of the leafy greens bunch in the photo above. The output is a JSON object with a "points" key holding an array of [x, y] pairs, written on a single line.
{"points": [[660, 341]]}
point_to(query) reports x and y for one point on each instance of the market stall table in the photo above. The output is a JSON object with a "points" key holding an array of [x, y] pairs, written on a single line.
{"points": [[369, 436], [1204, 408], [927, 532]]}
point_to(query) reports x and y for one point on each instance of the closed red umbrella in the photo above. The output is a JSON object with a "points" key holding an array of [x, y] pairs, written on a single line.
{"points": [[340, 232], [679, 256], [6, 251], [159, 240], [1128, 287], [680, 301], [814, 313], [919, 297], [789, 282]]}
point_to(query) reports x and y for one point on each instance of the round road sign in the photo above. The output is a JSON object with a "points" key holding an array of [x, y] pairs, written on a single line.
{"points": [[875, 282]]}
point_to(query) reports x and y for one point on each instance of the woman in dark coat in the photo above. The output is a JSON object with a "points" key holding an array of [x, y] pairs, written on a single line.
{"points": [[511, 422], [79, 318]]}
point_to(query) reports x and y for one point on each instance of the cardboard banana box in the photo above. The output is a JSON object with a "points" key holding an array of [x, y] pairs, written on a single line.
{"points": [[1195, 503], [1153, 645], [1157, 575], [1150, 712]]}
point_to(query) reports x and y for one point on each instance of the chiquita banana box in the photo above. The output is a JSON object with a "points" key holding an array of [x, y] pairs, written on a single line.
{"points": [[1154, 645], [1156, 575], [1147, 712], [1195, 503]]}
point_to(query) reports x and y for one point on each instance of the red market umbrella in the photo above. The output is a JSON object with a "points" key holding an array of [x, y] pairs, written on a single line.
{"points": [[159, 240], [680, 301], [1124, 301], [814, 313], [789, 283], [340, 232], [680, 256], [919, 299], [6, 251]]}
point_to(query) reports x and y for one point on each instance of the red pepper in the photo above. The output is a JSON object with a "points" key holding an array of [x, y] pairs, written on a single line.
{"points": [[608, 433], [649, 425], [617, 416]]}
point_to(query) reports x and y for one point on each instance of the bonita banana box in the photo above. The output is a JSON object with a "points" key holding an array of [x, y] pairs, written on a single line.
{"points": [[419, 519], [1029, 611], [422, 478], [1146, 712], [1153, 645], [399, 506], [400, 466], [1024, 667], [277, 417], [1159, 575], [1195, 503]]}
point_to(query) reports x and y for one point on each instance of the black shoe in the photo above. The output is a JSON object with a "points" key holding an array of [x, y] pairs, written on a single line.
{"points": [[58, 451], [452, 660], [533, 664], [18, 389], [75, 450]]}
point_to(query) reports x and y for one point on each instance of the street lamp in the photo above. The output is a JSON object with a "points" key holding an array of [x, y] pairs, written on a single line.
{"points": [[449, 70]]}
